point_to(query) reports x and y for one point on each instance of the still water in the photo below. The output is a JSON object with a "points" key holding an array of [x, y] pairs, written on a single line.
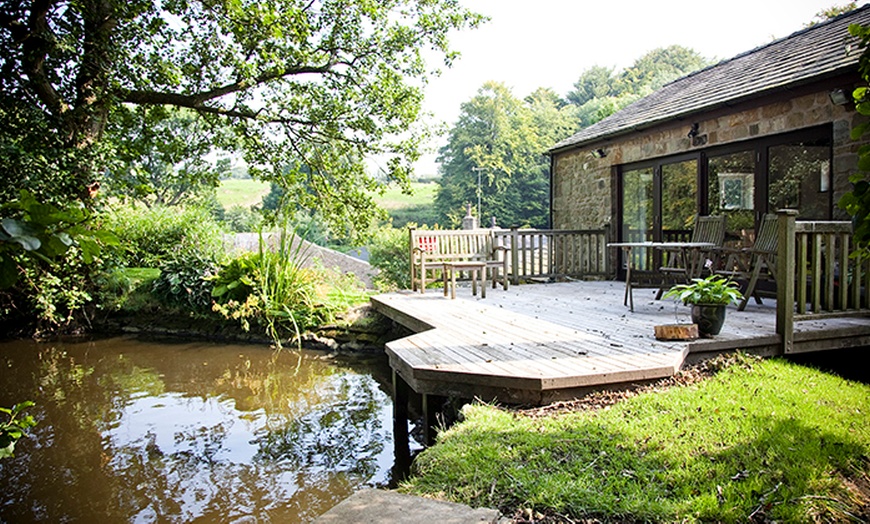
{"points": [[133, 431]]}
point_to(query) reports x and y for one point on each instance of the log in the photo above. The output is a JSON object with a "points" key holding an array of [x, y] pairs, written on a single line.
{"points": [[676, 332]]}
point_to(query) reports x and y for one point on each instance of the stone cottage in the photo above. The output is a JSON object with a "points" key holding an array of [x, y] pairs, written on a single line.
{"points": [[767, 129]]}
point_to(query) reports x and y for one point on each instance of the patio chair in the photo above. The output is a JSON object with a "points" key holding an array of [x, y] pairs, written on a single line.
{"points": [[754, 263], [684, 264]]}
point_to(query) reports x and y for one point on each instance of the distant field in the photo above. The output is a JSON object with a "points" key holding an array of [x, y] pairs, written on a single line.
{"points": [[417, 207], [423, 195], [241, 192]]}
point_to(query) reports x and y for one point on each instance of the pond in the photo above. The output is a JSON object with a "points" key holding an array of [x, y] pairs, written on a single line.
{"points": [[134, 431]]}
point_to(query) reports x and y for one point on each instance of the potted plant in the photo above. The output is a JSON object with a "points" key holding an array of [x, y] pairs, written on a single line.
{"points": [[708, 298]]}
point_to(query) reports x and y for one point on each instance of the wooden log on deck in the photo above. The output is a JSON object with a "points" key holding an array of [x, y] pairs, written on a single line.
{"points": [[676, 332]]}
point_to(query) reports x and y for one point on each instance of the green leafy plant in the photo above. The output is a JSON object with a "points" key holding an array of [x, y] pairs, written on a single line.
{"points": [[152, 236], [46, 232], [857, 201], [714, 289], [183, 281], [280, 289], [388, 252], [13, 429], [236, 279]]}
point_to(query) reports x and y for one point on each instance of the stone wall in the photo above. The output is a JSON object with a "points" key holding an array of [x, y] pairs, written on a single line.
{"points": [[583, 192]]}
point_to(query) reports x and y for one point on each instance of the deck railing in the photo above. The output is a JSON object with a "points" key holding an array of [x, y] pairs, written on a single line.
{"points": [[816, 274], [554, 253], [540, 253]]}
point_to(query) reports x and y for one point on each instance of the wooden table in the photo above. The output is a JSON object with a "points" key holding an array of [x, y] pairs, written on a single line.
{"points": [[693, 261], [477, 270]]}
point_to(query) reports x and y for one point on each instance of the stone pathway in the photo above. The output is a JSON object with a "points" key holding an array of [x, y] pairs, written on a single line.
{"points": [[373, 506]]}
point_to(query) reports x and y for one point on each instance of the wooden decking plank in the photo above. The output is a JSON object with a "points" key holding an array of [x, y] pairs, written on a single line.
{"points": [[564, 341], [530, 337]]}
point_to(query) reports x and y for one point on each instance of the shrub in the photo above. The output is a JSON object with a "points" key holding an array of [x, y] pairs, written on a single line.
{"points": [[151, 235], [183, 281], [277, 289], [242, 219], [388, 252]]}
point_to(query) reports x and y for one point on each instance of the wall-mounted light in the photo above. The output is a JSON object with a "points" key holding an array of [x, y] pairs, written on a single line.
{"points": [[693, 131], [599, 153], [839, 97]]}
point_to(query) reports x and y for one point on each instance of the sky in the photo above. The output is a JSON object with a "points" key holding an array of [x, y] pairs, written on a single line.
{"points": [[548, 43]]}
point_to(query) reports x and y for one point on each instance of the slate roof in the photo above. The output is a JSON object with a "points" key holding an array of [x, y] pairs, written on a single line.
{"points": [[816, 53]]}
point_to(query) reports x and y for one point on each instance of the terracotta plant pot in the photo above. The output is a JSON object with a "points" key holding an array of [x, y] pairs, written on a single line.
{"points": [[709, 318]]}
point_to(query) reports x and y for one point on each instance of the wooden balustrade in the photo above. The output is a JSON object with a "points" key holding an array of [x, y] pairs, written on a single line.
{"points": [[531, 253], [551, 253], [817, 275]]}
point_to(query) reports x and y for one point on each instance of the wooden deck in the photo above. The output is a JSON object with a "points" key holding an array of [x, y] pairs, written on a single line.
{"points": [[538, 343]]}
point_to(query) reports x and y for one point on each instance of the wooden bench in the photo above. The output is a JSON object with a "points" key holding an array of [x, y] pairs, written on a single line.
{"points": [[431, 249]]}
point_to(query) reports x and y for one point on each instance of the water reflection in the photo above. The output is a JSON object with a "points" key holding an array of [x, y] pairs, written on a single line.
{"points": [[142, 432]]}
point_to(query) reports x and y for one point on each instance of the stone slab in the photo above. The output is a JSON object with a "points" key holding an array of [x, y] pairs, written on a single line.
{"points": [[388, 507]]}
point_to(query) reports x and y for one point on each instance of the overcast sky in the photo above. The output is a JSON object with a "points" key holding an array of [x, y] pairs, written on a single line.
{"points": [[548, 43]]}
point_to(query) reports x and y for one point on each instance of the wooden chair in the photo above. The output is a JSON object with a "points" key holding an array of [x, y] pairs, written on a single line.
{"points": [[677, 264], [756, 262]]}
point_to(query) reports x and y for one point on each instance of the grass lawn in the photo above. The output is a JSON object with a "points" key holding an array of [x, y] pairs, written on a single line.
{"points": [[759, 441], [241, 192], [393, 198], [417, 207]]}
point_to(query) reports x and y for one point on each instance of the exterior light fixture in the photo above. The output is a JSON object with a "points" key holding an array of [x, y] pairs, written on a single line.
{"points": [[599, 153], [693, 131], [839, 97]]}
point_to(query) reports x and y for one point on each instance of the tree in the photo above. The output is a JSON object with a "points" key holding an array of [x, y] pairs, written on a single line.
{"points": [[299, 82], [599, 92], [502, 139], [660, 66], [164, 152], [595, 82], [832, 12]]}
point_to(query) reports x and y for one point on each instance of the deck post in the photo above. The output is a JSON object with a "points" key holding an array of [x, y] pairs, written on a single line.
{"points": [[432, 405], [401, 447], [411, 257], [785, 278], [515, 256]]}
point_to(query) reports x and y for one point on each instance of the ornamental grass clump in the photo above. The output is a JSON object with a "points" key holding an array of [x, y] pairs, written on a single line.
{"points": [[712, 290], [278, 289]]}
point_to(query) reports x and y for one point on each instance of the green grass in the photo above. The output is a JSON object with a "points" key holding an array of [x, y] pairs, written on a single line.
{"points": [[417, 207], [241, 192], [761, 439], [423, 193]]}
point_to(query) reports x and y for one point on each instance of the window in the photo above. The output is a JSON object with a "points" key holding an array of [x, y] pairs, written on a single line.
{"points": [[659, 198]]}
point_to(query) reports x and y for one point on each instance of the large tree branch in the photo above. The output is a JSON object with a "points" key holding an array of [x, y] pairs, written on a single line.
{"points": [[194, 102], [263, 78], [37, 41]]}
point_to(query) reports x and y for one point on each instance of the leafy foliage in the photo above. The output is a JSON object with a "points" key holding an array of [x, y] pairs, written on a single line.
{"points": [[45, 232], [279, 289], [600, 91], [857, 201], [183, 282], [388, 252], [714, 289], [501, 139], [164, 155], [151, 236], [15, 427], [321, 84], [46, 255]]}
